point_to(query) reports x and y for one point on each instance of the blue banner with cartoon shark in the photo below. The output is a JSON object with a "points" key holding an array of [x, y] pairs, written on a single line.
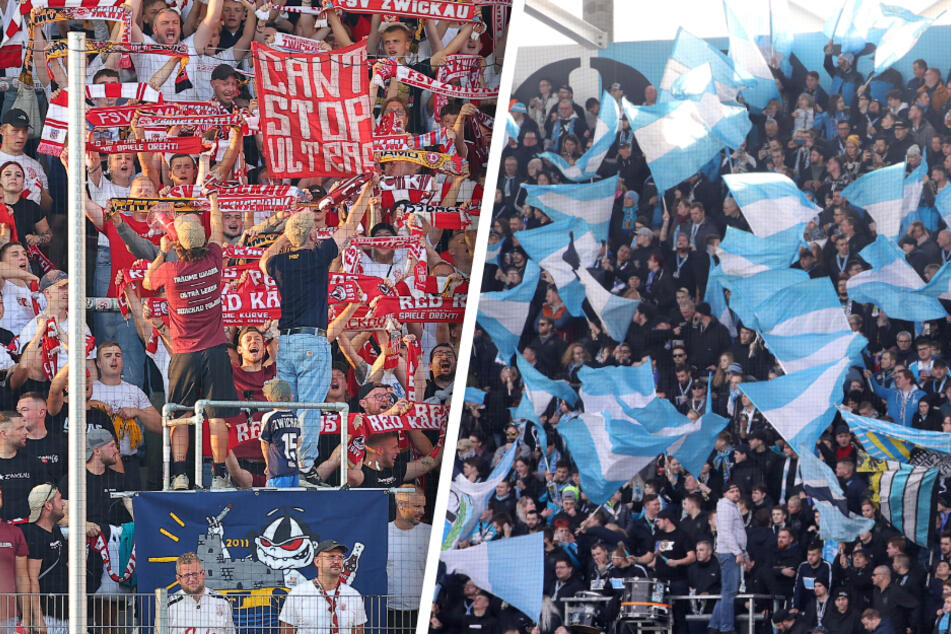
{"points": [[257, 545]]}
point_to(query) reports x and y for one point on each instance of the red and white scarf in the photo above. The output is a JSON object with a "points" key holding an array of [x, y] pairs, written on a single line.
{"points": [[425, 9], [411, 77], [351, 255]]}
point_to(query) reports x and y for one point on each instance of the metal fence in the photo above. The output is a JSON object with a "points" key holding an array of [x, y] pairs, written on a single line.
{"points": [[253, 612]]}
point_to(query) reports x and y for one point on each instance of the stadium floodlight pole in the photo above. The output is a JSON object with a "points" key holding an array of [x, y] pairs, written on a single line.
{"points": [[76, 137]]}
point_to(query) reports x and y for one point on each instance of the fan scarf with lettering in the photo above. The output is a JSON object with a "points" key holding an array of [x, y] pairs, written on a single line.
{"points": [[49, 349], [37, 256], [424, 9], [435, 161], [344, 190], [98, 543], [121, 116], [418, 188], [406, 309], [296, 44], [438, 138], [347, 288], [141, 205], [351, 255], [406, 75], [173, 145], [53, 137], [129, 90], [242, 198], [457, 67], [452, 218]]}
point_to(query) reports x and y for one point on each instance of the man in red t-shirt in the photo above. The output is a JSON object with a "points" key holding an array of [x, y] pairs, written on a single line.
{"points": [[199, 367], [249, 378]]}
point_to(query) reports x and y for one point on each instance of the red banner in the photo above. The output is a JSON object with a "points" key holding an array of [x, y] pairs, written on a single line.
{"points": [[316, 116], [425, 9]]}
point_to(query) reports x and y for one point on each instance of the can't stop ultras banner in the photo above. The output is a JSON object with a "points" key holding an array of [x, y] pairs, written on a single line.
{"points": [[256, 546], [315, 111]]}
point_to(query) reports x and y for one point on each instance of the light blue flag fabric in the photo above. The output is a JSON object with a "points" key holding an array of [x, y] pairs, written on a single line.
{"points": [[729, 122], [770, 202], [492, 253], [906, 494], [475, 395], [900, 36], [800, 352], [713, 295], [881, 193], [854, 25], [808, 307], [539, 389], [746, 293], [689, 442], [615, 312], [943, 203], [689, 52], [605, 132], [940, 285], [893, 285], [800, 405], [743, 254], [750, 64], [491, 564], [675, 139], [602, 471], [836, 523], [468, 500], [561, 247], [913, 185], [888, 441], [592, 202], [503, 314], [615, 389], [512, 129]]}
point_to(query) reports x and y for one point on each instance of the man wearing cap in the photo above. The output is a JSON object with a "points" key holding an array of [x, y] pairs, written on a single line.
{"points": [[406, 559], [196, 608], [19, 471], [706, 339], [845, 79], [200, 367], [745, 473], [673, 552], [325, 604], [898, 148], [731, 553], [101, 481], [46, 562], [31, 368], [15, 130], [841, 618], [789, 622]]}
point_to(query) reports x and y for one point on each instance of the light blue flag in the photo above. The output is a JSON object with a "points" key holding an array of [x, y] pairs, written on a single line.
{"points": [[911, 192], [492, 253], [714, 296], [539, 389], [893, 285], [743, 254], [675, 139], [940, 285], [800, 405], [605, 132], [689, 442], [881, 194], [503, 314], [808, 307], [906, 496], [689, 52], [750, 64], [746, 293], [770, 202], [592, 202], [836, 523], [475, 395], [854, 24], [900, 36], [800, 352], [602, 470], [615, 389], [888, 441], [468, 500], [512, 129], [561, 247], [615, 312], [491, 564], [729, 122], [943, 204]]}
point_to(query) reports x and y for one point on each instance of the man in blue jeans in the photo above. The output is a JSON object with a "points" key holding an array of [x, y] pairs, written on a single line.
{"points": [[731, 553]]}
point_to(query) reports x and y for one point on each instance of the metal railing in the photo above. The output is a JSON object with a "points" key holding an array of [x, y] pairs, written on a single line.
{"points": [[252, 611], [198, 420], [751, 617]]}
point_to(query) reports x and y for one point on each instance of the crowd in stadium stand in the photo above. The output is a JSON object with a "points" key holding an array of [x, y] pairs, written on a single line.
{"points": [[663, 523], [142, 251]]}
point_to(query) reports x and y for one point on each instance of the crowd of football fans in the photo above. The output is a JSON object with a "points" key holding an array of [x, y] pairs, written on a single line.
{"points": [[662, 523]]}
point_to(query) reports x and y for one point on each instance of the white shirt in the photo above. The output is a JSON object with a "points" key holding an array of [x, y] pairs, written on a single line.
{"points": [[62, 356], [306, 609], [210, 614], [117, 397], [148, 65], [18, 306], [34, 176], [100, 194], [377, 269], [405, 565]]}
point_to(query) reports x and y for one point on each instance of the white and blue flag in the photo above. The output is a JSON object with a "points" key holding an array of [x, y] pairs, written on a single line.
{"points": [[714, 296], [617, 389], [539, 389], [900, 36], [770, 202], [490, 566], [561, 247], [689, 52], [744, 254], [800, 405], [800, 352], [592, 202], [503, 314], [675, 139], [605, 132], [615, 312], [750, 64], [836, 523], [911, 193], [853, 25], [808, 307], [746, 293], [881, 193], [942, 203], [729, 122]]}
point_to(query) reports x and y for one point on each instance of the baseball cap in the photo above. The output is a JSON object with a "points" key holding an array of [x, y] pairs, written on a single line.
{"points": [[52, 278], [330, 544], [742, 448], [901, 123], [703, 308], [913, 150], [224, 71], [569, 494], [616, 85], [17, 118], [780, 615], [40, 495], [849, 57], [95, 438], [518, 106], [842, 593], [644, 231], [668, 514], [365, 389], [841, 428]]}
